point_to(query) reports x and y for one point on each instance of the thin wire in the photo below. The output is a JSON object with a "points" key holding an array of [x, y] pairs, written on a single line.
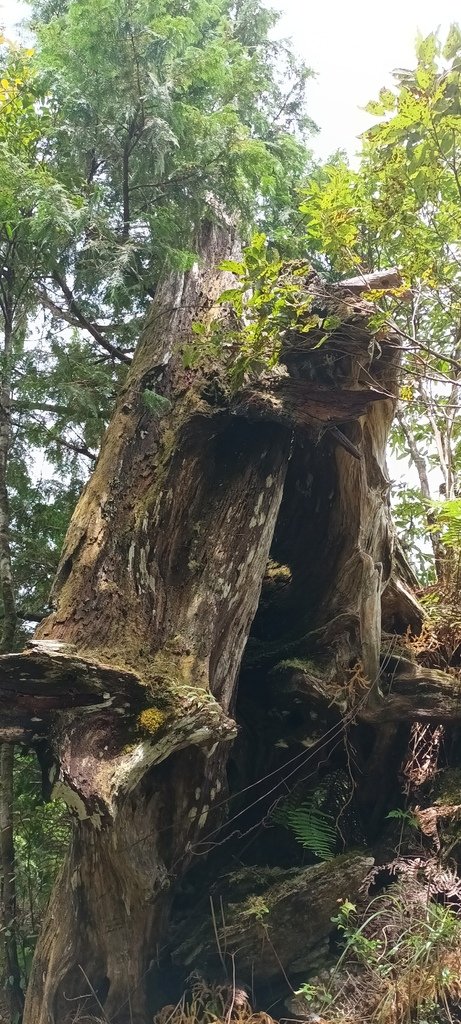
{"points": [[303, 757], [332, 733]]}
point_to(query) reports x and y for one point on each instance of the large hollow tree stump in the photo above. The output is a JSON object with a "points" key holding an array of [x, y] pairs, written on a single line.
{"points": [[130, 683]]}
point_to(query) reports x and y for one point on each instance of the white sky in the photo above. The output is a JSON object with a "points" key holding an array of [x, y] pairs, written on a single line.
{"points": [[353, 45]]}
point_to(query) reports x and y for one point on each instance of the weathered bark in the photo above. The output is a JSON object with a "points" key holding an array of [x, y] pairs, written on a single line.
{"points": [[132, 680], [378, 280], [408, 692], [250, 914], [158, 584]]}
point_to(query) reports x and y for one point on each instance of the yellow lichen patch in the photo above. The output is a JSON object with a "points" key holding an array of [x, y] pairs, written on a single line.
{"points": [[152, 718]]}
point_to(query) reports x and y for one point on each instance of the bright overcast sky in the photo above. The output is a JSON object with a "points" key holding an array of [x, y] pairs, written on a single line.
{"points": [[353, 45]]}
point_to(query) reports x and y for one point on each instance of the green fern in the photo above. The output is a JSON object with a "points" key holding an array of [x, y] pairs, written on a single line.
{"points": [[314, 829]]}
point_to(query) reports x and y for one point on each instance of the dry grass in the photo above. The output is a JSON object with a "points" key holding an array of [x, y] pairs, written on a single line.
{"points": [[201, 1003], [207, 1003], [439, 637]]}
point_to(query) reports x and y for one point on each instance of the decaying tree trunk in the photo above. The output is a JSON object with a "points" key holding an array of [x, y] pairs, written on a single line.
{"points": [[130, 685]]}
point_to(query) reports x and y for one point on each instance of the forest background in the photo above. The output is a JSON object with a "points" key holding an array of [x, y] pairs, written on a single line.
{"points": [[106, 169]]}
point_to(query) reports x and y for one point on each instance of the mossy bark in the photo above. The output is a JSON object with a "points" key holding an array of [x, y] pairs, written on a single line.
{"points": [[257, 929]]}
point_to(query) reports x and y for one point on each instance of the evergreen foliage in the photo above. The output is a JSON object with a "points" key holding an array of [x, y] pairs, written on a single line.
{"points": [[118, 129]]}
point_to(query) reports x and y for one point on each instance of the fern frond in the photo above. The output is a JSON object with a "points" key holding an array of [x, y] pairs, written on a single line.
{"points": [[314, 829]]}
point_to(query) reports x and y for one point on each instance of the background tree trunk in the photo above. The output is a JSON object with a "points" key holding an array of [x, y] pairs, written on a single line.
{"points": [[12, 979], [13, 988]]}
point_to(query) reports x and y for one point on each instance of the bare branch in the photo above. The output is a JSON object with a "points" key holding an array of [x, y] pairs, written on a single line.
{"points": [[86, 324]]}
